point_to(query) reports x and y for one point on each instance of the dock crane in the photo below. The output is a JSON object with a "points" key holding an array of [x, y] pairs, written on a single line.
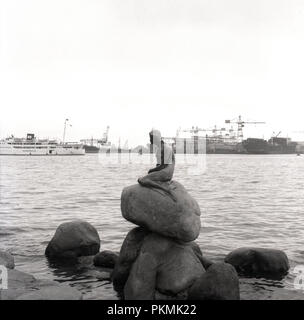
{"points": [[276, 135], [196, 130], [241, 124], [104, 139]]}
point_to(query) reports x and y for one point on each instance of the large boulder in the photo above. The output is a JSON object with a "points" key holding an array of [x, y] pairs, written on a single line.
{"points": [[23, 286], [7, 260], [106, 259], [164, 267], [153, 209], [219, 282], [258, 262], [74, 239], [128, 253]]}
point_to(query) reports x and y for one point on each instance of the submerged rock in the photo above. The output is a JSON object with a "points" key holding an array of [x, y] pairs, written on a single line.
{"points": [[128, 254], [52, 292], [156, 211], [163, 266], [74, 239], [219, 282], [18, 279], [24, 286], [7, 260], [259, 262], [106, 259]]}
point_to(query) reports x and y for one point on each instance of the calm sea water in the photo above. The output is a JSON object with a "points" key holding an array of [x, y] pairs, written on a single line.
{"points": [[245, 201]]}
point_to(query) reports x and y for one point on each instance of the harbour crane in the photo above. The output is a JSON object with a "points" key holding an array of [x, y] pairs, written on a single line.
{"points": [[196, 130], [241, 124], [276, 135], [104, 139]]}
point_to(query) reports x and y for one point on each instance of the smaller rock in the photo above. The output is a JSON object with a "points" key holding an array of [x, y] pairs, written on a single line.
{"points": [[18, 279], [219, 282], [102, 276], [7, 260], [258, 262], [24, 286], [106, 259], [54, 292], [73, 239], [18, 284]]}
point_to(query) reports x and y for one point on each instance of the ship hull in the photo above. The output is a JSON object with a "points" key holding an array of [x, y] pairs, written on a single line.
{"points": [[91, 149], [273, 146]]}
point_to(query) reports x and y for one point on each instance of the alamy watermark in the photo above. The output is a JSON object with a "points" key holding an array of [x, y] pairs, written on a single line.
{"points": [[299, 280], [3, 277], [189, 153]]}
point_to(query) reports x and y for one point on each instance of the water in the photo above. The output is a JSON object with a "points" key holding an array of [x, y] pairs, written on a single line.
{"points": [[245, 201]]}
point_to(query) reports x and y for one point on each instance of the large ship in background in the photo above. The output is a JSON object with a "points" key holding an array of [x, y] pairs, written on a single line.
{"points": [[97, 145], [275, 145], [230, 141], [32, 146]]}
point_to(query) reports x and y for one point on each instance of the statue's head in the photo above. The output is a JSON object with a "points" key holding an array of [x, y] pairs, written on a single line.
{"points": [[155, 137]]}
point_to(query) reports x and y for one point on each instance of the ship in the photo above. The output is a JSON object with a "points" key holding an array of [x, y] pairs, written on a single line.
{"points": [[230, 141], [32, 146], [214, 141], [97, 145], [275, 145]]}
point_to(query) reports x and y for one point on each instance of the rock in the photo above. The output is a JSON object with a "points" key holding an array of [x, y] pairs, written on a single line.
{"points": [[162, 266], [219, 282], [102, 276], [18, 279], [23, 286], [128, 254], [197, 250], [7, 260], [162, 296], [285, 295], [58, 292], [259, 262], [74, 239], [156, 211], [106, 259]]}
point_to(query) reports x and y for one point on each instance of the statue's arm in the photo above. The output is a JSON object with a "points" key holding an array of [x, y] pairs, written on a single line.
{"points": [[158, 168]]}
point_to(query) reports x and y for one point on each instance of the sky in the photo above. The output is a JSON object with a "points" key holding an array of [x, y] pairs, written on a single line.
{"points": [[141, 64]]}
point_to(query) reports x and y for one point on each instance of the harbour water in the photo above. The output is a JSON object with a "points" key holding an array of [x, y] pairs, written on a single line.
{"points": [[246, 200]]}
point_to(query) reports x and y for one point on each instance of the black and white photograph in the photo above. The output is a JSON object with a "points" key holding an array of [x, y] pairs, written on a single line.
{"points": [[151, 150]]}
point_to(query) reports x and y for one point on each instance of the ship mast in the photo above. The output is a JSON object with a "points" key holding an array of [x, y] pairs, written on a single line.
{"points": [[64, 130]]}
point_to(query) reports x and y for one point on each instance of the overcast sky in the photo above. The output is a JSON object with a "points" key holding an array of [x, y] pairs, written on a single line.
{"points": [[138, 64]]}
